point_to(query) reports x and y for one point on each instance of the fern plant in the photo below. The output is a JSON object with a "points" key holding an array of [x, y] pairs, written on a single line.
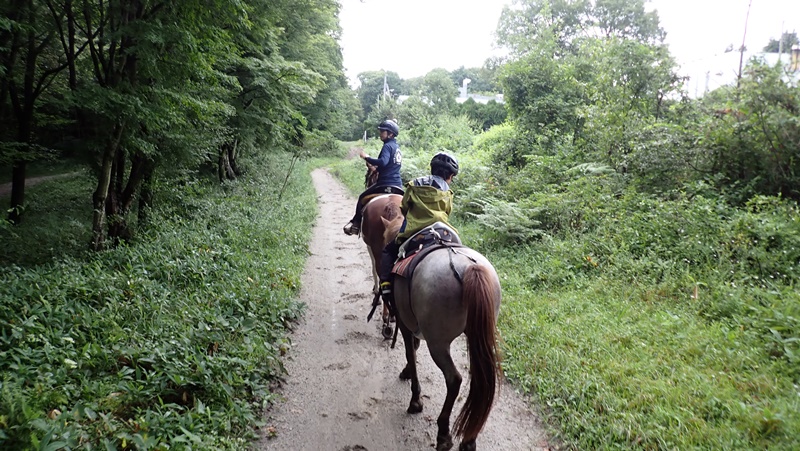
{"points": [[507, 221]]}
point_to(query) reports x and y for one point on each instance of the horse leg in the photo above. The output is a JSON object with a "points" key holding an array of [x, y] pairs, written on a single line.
{"points": [[406, 373], [376, 286], [410, 371], [440, 352]]}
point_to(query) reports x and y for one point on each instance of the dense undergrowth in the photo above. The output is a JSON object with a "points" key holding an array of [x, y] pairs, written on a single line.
{"points": [[171, 341], [637, 321]]}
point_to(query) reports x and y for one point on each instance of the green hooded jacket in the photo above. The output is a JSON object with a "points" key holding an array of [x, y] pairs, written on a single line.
{"points": [[423, 206]]}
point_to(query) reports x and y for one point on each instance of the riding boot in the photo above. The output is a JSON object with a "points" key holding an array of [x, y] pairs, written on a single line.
{"points": [[388, 257], [353, 227]]}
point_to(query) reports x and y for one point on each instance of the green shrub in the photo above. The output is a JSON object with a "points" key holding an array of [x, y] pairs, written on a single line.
{"points": [[171, 341], [323, 144]]}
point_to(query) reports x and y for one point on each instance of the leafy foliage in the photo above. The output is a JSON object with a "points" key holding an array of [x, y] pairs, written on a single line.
{"points": [[506, 221], [785, 43], [170, 342], [755, 137]]}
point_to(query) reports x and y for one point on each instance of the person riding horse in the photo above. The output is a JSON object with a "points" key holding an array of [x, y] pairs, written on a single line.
{"points": [[427, 200], [388, 165]]}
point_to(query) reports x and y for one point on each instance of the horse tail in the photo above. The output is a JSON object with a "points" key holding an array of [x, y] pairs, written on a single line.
{"points": [[480, 295]]}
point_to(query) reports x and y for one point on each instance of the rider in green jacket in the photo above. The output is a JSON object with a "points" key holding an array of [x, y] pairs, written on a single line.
{"points": [[426, 200]]}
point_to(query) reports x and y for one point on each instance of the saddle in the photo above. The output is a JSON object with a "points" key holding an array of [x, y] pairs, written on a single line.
{"points": [[419, 245], [387, 189]]}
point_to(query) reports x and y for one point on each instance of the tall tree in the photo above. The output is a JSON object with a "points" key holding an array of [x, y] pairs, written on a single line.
{"points": [[165, 86], [583, 66], [556, 21], [29, 63], [269, 88], [439, 89], [149, 61], [784, 44], [628, 19], [371, 87]]}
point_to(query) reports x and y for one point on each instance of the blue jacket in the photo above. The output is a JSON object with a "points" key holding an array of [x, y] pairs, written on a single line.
{"points": [[388, 164]]}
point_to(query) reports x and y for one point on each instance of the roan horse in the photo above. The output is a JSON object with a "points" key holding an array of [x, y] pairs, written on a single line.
{"points": [[453, 290], [373, 232]]}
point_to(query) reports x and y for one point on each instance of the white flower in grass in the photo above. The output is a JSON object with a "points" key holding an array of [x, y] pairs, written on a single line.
{"points": [[71, 363]]}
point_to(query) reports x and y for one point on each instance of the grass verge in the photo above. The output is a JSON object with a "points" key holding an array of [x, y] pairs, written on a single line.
{"points": [[627, 340], [169, 342]]}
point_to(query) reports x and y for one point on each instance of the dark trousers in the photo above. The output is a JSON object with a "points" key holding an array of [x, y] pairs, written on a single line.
{"points": [[374, 189], [388, 258]]}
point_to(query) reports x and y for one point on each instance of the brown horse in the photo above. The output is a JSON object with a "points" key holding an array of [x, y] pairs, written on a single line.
{"points": [[381, 208], [378, 207], [453, 290]]}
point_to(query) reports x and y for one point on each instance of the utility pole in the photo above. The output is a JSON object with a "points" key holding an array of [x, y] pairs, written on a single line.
{"points": [[741, 49], [386, 91]]}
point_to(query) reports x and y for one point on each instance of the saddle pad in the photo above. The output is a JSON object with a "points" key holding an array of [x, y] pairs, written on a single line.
{"points": [[405, 267], [401, 267]]}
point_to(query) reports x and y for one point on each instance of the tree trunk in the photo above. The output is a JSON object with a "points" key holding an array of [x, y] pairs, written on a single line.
{"points": [[115, 217], [224, 169], [17, 192], [99, 201], [233, 152], [123, 194], [101, 192], [146, 198], [23, 103]]}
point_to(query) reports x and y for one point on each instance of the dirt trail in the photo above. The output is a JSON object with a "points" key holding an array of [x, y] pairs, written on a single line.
{"points": [[342, 392], [5, 188]]}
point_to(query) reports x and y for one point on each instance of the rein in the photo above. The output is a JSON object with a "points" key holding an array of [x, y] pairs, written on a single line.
{"points": [[371, 177]]}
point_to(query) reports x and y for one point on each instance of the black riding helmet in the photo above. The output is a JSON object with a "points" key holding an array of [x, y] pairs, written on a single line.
{"points": [[390, 126], [444, 162]]}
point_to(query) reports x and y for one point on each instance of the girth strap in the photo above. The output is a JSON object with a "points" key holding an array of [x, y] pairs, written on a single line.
{"points": [[452, 251]]}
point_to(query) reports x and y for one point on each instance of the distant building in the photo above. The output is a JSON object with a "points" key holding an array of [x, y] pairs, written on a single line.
{"points": [[463, 95], [722, 70], [481, 99], [476, 97]]}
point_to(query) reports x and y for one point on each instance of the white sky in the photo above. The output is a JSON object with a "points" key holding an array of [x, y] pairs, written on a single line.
{"points": [[412, 37]]}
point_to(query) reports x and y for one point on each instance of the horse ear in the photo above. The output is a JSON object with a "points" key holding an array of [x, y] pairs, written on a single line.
{"points": [[385, 222]]}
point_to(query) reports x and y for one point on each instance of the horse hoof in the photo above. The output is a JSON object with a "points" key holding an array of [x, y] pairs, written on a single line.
{"points": [[416, 407], [387, 332], [468, 446], [444, 443], [405, 374]]}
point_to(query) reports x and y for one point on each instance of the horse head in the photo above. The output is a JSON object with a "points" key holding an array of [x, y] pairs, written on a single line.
{"points": [[392, 219]]}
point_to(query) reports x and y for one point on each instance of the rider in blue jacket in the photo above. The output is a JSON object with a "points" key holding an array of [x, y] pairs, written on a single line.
{"points": [[388, 165]]}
